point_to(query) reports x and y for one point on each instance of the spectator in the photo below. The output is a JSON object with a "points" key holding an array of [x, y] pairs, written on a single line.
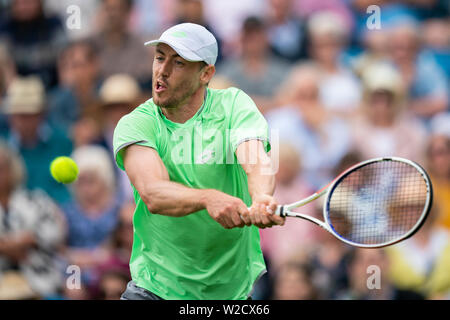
{"points": [[7, 74], [75, 293], [256, 71], [33, 137], [375, 51], [384, 128], [279, 244], [7, 70], [33, 39], [76, 96], [383, 289], [112, 284], [339, 89], [228, 16], [92, 216], [424, 79], [389, 10], [286, 32], [438, 164], [119, 50], [31, 232], [421, 263], [150, 16], [328, 258], [119, 95], [294, 282], [436, 38], [122, 241], [307, 8], [193, 11], [319, 137], [114, 273]]}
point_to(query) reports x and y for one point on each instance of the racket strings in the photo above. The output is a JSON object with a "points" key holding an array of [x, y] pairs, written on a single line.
{"points": [[377, 203]]}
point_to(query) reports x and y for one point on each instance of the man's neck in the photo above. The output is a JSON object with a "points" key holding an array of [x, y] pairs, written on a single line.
{"points": [[186, 110]]}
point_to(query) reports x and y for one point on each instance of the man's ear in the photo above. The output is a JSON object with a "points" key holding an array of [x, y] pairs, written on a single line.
{"points": [[207, 73]]}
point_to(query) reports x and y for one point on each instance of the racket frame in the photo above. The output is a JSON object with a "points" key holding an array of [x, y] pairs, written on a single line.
{"points": [[285, 210]]}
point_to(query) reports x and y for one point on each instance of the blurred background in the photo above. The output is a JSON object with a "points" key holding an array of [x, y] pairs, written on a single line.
{"points": [[337, 88]]}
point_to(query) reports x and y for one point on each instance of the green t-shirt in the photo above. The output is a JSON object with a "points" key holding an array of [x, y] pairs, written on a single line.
{"points": [[194, 257]]}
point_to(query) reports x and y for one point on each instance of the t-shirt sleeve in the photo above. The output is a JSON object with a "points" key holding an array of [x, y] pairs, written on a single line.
{"points": [[134, 128], [247, 123]]}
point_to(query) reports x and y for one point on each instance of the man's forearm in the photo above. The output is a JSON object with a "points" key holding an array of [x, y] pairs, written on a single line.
{"points": [[260, 183], [258, 168], [172, 199]]}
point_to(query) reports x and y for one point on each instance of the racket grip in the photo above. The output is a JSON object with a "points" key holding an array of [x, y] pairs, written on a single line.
{"points": [[278, 212]]}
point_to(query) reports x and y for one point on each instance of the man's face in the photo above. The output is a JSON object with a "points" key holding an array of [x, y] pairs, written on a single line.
{"points": [[26, 10], [175, 79], [439, 156], [89, 186], [76, 67], [325, 47], [254, 43], [190, 10], [403, 45], [26, 125], [382, 105], [116, 15]]}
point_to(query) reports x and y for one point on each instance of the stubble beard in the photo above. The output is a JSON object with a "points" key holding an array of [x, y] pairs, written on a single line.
{"points": [[179, 96]]}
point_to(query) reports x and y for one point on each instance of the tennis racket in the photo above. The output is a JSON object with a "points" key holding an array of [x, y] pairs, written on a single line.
{"points": [[376, 203]]}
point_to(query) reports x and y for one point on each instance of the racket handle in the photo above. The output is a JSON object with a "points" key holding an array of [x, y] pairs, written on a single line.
{"points": [[278, 212]]}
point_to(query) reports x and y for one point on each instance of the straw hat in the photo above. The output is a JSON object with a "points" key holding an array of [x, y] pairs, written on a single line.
{"points": [[118, 89], [25, 96], [383, 76]]}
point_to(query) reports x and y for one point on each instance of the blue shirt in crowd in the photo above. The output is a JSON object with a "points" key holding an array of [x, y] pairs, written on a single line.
{"points": [[85, 232]]}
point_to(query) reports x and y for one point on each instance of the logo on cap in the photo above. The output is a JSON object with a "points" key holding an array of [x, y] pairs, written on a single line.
{"points": [[178, 34]]}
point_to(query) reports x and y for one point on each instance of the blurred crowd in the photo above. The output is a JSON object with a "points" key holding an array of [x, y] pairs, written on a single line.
{"points": [[335, 88]]}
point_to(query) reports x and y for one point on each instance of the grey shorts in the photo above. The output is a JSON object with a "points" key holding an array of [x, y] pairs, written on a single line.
{"points": [[133, 292]]}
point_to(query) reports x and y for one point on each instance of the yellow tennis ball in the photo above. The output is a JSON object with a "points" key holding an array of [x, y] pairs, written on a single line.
{"points": [[64, 170]]}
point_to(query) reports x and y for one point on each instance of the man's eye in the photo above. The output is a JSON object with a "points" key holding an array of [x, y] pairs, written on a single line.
{"points": [[179, 63], [159, 58]]}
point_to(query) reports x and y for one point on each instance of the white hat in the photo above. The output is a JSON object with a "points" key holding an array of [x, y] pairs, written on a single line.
{"points": [[95, 158], [382, 76], [25, 95], [120, 88], [191, 41]]}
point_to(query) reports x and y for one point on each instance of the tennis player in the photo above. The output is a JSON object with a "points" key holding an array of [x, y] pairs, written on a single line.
{"points": [[197, 159]]}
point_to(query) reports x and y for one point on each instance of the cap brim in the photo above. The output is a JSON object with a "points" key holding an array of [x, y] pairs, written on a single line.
{"points": [[182, 51]]}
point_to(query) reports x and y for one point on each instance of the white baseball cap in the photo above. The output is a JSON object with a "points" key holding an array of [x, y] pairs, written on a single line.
{"points": [[191, 41]]}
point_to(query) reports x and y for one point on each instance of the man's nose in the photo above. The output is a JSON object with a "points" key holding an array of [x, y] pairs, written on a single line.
{"points": [[165, 69]]}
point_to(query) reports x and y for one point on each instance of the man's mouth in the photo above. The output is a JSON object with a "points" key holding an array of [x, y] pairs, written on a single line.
{"points": [[160, 86]]}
